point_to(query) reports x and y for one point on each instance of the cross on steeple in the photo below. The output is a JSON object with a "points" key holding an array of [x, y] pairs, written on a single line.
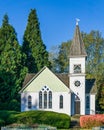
{"points": [[77, 20]]}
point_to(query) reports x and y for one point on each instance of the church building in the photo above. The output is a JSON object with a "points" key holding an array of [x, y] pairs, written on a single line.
{"points": [[65, 93]]}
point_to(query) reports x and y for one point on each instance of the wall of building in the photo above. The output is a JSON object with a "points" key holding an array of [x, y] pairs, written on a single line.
{"points": [[92, 104], [55, 102]]}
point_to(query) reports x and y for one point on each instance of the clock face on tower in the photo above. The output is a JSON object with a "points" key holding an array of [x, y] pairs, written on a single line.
{"points": [[77, 83]]}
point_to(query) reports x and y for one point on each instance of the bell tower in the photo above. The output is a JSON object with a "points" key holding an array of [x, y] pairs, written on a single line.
{"points": [[77, 73]]}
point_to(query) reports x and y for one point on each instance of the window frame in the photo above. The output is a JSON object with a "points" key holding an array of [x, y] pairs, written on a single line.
{"points": [[61, 102], [75, 68], [40, 99], [29, 102], [45, 98], [50, 100]]}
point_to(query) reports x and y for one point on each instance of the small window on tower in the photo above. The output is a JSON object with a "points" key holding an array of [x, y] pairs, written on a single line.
{"points": [[77, 68]]}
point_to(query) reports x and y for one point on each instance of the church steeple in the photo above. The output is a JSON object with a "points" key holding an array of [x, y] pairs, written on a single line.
{"points": [[77, 72], [77, 48]]}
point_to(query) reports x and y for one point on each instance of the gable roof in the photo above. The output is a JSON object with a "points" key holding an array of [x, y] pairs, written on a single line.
{"points": [[63, 78], [77, 47], [28, 77], [90, 83]]}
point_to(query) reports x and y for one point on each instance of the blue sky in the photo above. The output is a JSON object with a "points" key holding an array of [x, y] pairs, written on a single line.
{"points": [[56, 17]]}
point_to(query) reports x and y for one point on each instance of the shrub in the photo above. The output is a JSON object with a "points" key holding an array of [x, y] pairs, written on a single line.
{"points": [[44, 117], [35, 117], [89, 121], [14, 105], [2, 122], [7, 116]]}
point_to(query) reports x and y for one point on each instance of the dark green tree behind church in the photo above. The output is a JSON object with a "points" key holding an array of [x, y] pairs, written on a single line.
{"points": [[33, 46], [11, 70]]}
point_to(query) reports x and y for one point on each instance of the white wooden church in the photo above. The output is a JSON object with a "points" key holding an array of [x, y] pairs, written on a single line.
{"points": [[64, 93]]}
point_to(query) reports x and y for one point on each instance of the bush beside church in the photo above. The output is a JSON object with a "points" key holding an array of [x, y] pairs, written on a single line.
{"points": [[89, 121]]}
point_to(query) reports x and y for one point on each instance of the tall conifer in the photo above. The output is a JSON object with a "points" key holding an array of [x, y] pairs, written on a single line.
{"points": [[33, 46], [11, 70]]}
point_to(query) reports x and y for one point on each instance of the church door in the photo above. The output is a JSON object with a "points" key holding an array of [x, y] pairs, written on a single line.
{"points": [[77, 105]]}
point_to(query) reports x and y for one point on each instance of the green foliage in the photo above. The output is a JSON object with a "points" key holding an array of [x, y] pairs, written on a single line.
{"points": [[42, 117], [11, 70], [7, 116], [33, 47], [2, 122], [63, 58], [95, 53], [36, 117], [61, 62], [100, 98]]}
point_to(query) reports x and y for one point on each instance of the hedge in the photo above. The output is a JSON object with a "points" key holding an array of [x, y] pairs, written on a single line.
{"points": [[89, 121], [54, 119], [44, 117]]}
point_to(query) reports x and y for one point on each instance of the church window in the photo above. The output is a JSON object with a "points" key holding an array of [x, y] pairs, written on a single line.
{"points": [[87, 102], [45, 98], [77, 68], [50, 99], [40, 99], [29, 102], [61, 101]]}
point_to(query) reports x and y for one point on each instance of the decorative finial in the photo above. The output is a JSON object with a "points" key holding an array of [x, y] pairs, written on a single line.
{"points": [[77, 20]]}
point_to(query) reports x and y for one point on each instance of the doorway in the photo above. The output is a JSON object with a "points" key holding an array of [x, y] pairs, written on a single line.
{"points": [[77, 105]]}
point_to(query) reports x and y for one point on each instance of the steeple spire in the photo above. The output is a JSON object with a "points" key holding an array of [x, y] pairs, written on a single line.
{"points": [[77, 47]]}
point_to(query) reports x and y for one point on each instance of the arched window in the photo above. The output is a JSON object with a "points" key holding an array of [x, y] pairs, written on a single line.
{"points": [[50, 99], [29, 102], [45, 99], [61, 101], [40, 99]]}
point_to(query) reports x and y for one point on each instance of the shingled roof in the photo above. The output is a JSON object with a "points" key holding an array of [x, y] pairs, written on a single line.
{"points": [[63, 77], [77, 47], [28, 77], [90, 83]]}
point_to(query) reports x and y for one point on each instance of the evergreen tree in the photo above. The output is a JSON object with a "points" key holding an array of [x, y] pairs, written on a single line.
{"points": [[11, 70], [33, 46]]}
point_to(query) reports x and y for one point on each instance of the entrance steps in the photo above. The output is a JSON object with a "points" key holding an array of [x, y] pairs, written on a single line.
{"points": [[75, 122]]}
